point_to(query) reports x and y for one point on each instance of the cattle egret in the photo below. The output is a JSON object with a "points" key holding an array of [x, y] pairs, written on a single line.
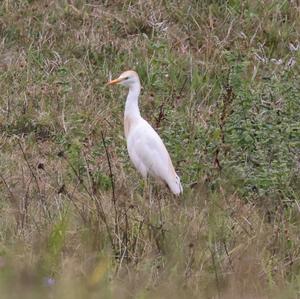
{"points": [[146, 149]]}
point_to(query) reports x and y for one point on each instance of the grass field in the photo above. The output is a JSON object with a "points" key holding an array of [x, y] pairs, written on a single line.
{"points": [[220, 85]]}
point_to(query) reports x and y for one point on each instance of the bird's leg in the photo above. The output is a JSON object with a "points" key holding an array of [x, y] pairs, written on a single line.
{"points": [[148, 191], [160, 210], [145, 188], [147, 202]]}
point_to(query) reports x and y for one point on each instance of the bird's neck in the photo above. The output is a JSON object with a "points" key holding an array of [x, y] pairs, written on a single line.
{"points": [[132, 102]]}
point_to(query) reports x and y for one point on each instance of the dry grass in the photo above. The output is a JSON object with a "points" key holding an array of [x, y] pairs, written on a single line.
{"points": [[73, 213]]}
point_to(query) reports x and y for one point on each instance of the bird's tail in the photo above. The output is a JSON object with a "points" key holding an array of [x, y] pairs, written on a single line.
{"points": [[175, 186]]}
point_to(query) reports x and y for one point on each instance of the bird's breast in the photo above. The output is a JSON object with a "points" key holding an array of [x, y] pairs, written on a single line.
{"points": [[128, 124]]}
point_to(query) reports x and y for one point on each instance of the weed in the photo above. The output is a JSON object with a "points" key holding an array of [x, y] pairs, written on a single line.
{"points": [[220, 85]]}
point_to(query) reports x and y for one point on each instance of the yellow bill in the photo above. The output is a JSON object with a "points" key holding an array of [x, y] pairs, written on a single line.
{"points": [[116, 81]]}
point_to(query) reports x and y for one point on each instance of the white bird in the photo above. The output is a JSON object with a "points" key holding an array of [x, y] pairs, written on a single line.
{"points": [[146, 149]]}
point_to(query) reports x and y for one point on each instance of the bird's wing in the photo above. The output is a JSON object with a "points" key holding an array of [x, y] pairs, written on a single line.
{"points": [[146, 147]]}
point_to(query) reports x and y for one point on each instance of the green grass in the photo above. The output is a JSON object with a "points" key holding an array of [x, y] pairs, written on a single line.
{"points": [[221, 86]]}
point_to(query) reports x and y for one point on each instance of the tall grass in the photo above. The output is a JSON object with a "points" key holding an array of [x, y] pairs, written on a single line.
{"points": [[220, 85]]}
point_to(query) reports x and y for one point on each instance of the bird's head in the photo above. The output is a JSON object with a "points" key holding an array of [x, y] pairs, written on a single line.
{"points": [[128, 78]]}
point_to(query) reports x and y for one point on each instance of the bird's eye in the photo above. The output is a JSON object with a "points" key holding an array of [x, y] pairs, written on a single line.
{"points": [[126, 78]]}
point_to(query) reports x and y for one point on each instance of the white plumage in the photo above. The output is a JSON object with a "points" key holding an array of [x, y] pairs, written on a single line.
{"points": [[146, 149]]}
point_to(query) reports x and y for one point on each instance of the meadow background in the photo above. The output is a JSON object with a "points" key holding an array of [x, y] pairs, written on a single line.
{"points": [[221, 84]]}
